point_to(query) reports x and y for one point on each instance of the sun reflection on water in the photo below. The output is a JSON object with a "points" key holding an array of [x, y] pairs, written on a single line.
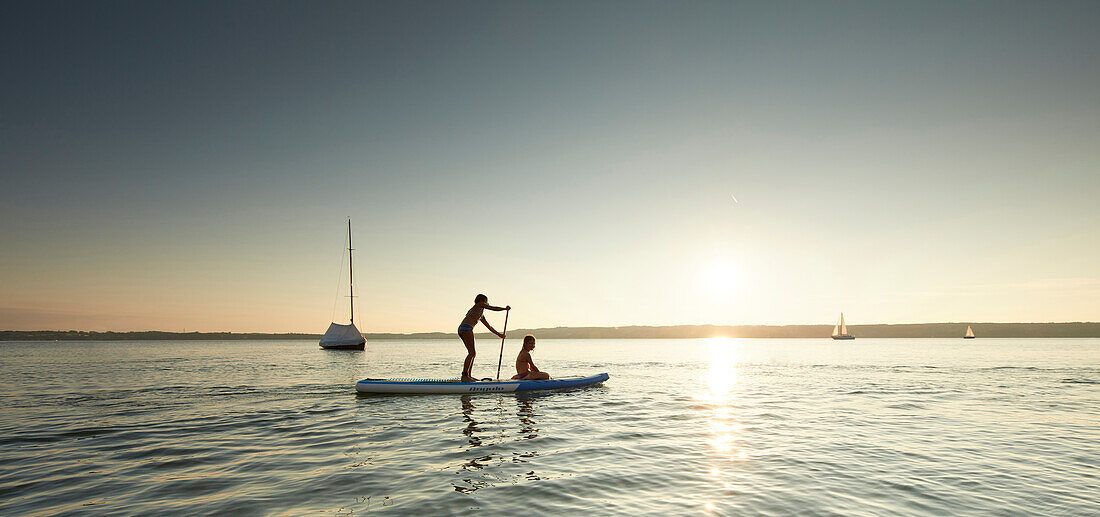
{"points": [[722, 375], [720, 396]]}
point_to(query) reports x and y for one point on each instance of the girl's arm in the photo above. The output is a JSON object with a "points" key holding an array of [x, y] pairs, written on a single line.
{"points": [[490, 327], [531, 365], [495, 308]]}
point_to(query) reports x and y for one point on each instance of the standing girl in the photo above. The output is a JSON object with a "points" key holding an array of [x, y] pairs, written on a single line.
{"points": [[466, 331]]}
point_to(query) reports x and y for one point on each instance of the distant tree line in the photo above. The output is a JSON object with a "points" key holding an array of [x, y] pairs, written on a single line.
{"points": [[149, 335], [906, 330]]}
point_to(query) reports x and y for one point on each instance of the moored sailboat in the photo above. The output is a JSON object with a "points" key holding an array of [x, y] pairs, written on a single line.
{"points": [[840, 331], [969, 333], [345, 337]]}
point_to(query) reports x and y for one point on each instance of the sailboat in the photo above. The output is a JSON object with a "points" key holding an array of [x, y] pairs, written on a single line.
{"points": [[969, 333], [840, 331], [345, 337]]}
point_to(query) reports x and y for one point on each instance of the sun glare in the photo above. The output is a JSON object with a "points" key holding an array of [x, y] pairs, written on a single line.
{"points": [[722, 277]]}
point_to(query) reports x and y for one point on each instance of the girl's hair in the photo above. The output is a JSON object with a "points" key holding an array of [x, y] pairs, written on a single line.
{"points": [[528, 338], [481, 298]]}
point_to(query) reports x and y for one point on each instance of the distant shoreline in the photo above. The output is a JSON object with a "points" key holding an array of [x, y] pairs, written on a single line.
{"points": [[904, 330]]}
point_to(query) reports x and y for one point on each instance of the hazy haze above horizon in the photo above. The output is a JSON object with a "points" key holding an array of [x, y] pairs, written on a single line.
{"points": [[189, 166]]}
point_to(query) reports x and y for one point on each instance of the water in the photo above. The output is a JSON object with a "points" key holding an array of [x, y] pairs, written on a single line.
{"points": [[870, 427]]}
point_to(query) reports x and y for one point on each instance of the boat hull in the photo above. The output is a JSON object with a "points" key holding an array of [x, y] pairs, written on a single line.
{"points": [[360, 346], [969, 337], [504, 386], [844, 338]]}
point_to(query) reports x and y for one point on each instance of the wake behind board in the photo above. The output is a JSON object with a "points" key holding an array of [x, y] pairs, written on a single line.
{"points": [[447, 386]]}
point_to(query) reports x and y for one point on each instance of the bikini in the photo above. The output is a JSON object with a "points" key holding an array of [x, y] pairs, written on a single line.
{"points": [[465, 327]]}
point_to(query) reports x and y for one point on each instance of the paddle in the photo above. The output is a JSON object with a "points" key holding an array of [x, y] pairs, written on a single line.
{"points": [[505, 332]]}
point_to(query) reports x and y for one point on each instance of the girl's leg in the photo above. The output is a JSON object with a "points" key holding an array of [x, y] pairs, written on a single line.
{"points": [[468, 364]]}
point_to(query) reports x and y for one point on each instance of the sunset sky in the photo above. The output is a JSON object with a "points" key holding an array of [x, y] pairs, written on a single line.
{"points": [[191, 165]]}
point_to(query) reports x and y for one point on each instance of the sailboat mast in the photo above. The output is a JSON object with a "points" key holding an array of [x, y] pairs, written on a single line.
{"points": [[351, 280]]}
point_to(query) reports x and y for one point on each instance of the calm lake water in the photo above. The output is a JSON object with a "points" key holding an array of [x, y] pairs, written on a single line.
{"points": [[695, 427]]}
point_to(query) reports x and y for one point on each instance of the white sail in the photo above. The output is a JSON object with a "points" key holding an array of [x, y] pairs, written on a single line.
{"points": [[836, 330], [843, 327], [969, 331], [342, 335]]}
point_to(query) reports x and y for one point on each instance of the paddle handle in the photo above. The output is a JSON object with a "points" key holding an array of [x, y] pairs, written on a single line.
{"points": [[500, 359]]}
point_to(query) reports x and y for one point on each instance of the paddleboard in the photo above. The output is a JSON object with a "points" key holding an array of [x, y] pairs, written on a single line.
{"points": [[451, 386]]}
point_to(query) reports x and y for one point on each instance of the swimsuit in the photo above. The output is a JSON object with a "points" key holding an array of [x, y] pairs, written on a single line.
{"points": [[465, 327]]}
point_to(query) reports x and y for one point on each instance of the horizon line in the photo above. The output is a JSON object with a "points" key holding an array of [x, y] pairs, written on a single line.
{"points": [[565, 327]]}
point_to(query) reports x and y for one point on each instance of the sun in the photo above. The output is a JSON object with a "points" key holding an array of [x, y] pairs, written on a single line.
{"points": [[722, 277]]}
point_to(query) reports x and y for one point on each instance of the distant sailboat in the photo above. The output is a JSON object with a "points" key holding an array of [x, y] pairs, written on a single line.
{"points": [[969, 333], [840, 331], [345, 337]]}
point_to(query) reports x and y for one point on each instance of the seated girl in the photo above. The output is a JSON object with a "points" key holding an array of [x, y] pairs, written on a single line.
{"points": [[525, 367]]}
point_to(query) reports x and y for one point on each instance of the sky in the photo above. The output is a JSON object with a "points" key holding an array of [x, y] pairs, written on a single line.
{"points": [[192, 165]]}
